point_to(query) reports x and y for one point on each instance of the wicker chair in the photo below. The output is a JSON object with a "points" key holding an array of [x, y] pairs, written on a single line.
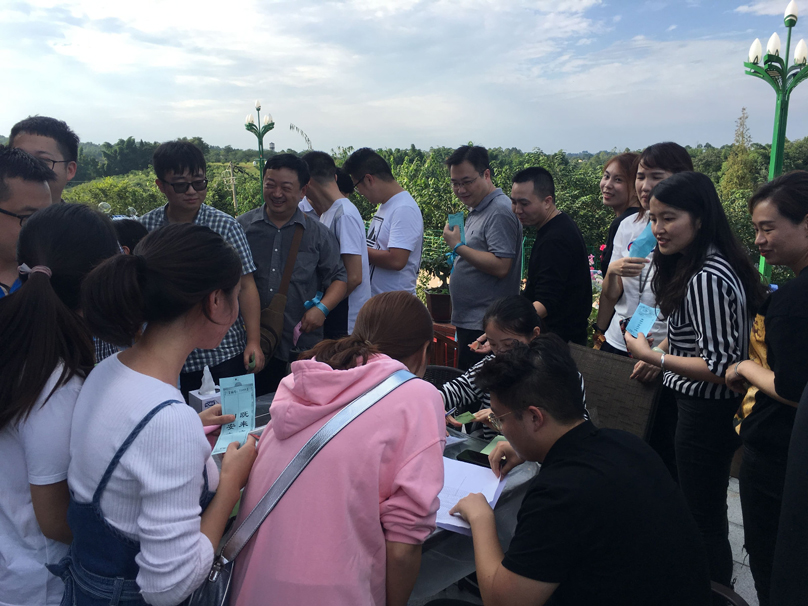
{"points": [[438, 375], [612, 398]]}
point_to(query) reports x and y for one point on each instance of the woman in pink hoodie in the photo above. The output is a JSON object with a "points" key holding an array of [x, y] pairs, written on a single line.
{"points": [[350, 528]]}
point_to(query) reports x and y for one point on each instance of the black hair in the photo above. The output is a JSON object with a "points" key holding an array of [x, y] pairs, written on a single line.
{"points": [[514, 314], [475, 155], [789, 193], [169, 273], [365, 161], [543, 184], [130, 232], [39, 325], [344, 182], [293, 163], [177, 157], [667, 156], [59, 131], [322, 167], [17, 163], [695, 194], [541, 374]]}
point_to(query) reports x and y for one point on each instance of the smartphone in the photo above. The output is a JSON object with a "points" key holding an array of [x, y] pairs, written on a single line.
{"points": [[474, 457]]}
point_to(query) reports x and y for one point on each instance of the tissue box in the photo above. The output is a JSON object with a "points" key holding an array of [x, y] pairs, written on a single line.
{"points": [[199, 402]]}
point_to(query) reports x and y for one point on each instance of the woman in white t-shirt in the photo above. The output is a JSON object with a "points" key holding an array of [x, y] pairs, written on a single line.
{"points": [[140, 470], [46, 352]]}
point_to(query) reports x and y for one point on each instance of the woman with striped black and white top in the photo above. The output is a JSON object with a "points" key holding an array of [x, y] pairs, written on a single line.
{"points": [[708, 289]]}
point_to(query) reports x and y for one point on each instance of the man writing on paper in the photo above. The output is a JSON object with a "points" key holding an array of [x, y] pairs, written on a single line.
{"points": [[489, 263], [603, 523]]}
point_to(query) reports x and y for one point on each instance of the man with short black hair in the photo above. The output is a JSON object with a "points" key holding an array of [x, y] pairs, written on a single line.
{"points": [[317, 267], [53, 142], [338, 213], [181, 177], [602, 523], [396, 233], [488, 265], [24, 190], [558, 280]]}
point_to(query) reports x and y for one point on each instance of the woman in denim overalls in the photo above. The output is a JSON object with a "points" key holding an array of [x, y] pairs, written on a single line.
{"points": [[140, 547]]}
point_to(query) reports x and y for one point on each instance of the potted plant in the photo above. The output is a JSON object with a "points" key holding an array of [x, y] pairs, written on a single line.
{"points": [[435, 262]]}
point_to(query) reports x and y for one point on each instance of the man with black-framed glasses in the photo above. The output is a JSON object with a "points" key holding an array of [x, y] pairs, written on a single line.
{"points": [[180, 168], [54, 143], [23, 191]]}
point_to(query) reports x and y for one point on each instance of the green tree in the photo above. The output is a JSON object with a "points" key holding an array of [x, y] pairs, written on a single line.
{"points": [[738, 172]]}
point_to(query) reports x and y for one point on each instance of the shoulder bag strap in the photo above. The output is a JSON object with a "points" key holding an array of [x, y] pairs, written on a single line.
{"points": [[290, 260], [239, 537]]}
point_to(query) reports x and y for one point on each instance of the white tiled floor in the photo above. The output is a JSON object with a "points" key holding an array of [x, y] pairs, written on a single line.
{"points": [[744, 585]]}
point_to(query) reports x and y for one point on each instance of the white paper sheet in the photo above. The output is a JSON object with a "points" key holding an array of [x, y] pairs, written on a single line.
{"points": [[460, 480]]}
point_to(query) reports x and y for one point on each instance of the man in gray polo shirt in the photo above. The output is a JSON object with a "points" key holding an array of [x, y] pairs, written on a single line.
{"points": [[489, 263], [317, 268]]}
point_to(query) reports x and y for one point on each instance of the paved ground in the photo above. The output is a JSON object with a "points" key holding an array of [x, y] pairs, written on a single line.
{"points": [[744, 585]]}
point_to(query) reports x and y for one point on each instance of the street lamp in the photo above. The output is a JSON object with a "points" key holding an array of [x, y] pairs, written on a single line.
{"points": [[260, 132], [783, 79]]}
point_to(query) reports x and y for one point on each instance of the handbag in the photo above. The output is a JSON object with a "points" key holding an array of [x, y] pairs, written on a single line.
{"points": [[272, 314], [215, 589]]}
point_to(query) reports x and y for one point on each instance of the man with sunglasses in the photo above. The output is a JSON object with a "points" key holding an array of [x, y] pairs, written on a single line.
{"points": [[603, 523], [53, 142], [488, 264], [180, 168], [396, 233], [23, 191]]}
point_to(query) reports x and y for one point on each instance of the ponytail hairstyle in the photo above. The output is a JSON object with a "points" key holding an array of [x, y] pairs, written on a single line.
{"points": [[172, 270], [393, 323], [515, 315], [695, 194], [40, 328]]}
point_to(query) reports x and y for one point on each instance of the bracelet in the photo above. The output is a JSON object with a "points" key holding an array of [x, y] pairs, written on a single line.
{"points": [[737, 364], [662, 362], [454, 250], [597, 328], [658, 350], [322, 308]]}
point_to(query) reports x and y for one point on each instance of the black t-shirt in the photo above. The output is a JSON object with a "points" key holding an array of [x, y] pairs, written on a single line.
{"points": [[606, 256], [558, 277], [767, 429], [605, 520]]}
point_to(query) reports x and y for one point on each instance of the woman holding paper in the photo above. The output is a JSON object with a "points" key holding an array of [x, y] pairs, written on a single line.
{"points": [[708, 290], [140, 472], [349, 529]]}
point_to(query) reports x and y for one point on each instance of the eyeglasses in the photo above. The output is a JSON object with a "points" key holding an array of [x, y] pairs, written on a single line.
{"points": [[465, 183], [22, 218], [360, 180], [52, 163], [182, 186], [495, 421]]}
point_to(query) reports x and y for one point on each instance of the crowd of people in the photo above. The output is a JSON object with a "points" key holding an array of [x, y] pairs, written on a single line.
{"points": [[111, 495]]}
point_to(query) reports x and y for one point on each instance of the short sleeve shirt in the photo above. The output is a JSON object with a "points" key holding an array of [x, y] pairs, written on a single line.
{"points": [[397, 224], [317, 265], [491, 227], [605, 520], [226, 226]]}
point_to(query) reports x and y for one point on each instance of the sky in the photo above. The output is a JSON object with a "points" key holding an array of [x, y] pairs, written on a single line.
{"points": [[549, 74]]}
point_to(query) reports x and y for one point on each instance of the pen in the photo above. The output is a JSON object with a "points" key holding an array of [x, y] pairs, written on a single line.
{"points": [[451, 411]]}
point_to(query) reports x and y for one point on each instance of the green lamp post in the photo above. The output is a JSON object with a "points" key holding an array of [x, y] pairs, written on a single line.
{"points": [[251, 124], [783, 79]]}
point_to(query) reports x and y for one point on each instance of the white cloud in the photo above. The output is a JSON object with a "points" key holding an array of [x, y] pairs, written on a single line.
{"points": [[671, 28], [765, 7]]}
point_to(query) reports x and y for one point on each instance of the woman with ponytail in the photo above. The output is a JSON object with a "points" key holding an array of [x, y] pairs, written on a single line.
{"points": [[45, 355], [349, 530], [140, 468]]}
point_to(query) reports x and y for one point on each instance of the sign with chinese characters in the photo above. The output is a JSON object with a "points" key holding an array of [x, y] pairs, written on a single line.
{"points": [[238, 398]]}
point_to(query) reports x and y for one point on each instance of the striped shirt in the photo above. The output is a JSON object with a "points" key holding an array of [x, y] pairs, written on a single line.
{"points": [[713, 323], [228, 228]]}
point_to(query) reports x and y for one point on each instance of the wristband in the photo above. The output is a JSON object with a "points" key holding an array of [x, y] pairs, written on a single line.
{"points": [[454, 250], [597, 328], [322, 308]]}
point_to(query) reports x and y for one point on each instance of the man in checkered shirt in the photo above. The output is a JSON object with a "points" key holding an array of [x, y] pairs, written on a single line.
{"points": [[180, 167]]}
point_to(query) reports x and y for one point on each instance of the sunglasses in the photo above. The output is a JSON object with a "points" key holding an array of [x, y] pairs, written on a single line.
{"points": [[182, 186]]}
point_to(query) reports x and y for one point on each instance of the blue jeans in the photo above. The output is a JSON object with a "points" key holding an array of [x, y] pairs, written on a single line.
{"points": [[705, 444]]}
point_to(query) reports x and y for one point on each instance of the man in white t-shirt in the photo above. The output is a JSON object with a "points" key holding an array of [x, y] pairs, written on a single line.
{"points": [[396, 233], [340, 215]]}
